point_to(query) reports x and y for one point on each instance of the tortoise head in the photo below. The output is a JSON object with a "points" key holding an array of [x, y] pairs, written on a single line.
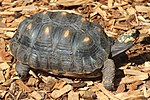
{"points": [[125, 42]]}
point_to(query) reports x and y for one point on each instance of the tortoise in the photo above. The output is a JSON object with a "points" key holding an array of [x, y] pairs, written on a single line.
{"points": [[66, 44]]}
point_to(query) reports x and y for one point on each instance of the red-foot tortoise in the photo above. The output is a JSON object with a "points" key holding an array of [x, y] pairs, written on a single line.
{"points": [[67, 44]]}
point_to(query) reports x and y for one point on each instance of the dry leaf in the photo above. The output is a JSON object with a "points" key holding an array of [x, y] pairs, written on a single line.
{"points": [[2, 93], [131, 11], [128, 95], [59, 84], [134, 85], [72, 2], [133, 72], [145, 92], [122, 11], [73, 95], [6, 2], [110, 3], [4, 66], [5, 13], [9, 19], [139, 0], [106, 92], [23, 86], [31, 81], [131, 79], [89, 95], [2, 78], [50, 85], [121, 26], [147, 64], [25, 8], [58, 93], [78, 85], [8, 29], [7, 74], [36, 95], [101, 96], [89, 83], [142, 9], [148, 92], [5, 56], [83, 89], [141, 18], [101, 12], [121, 88], [9, 34], [94, 88], [67, 80], [8, 82]]}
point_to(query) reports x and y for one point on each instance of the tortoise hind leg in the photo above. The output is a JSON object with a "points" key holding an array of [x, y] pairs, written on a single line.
{"points": [[108, 74], [22, 70]]}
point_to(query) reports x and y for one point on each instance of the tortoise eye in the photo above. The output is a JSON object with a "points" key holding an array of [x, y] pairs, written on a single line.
{"points": [[66, 33], [86, 39], [29, 26]]}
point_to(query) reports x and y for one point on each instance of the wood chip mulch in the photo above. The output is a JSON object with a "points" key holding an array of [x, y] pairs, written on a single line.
{"points": [[115, 16]]}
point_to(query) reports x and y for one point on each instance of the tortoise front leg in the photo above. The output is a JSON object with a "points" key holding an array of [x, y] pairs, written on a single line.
{"points": [[22, 70], [108, 71]]}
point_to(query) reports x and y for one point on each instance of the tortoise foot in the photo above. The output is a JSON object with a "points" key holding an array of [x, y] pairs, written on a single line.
{"points": [[22, 70]]}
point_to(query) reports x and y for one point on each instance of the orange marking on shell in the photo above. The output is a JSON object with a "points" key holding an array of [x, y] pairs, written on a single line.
{"points": [[99, 30], [83, 19], [29, 26], [66, 33], [86, 39], [46, 30], [64, 13]]}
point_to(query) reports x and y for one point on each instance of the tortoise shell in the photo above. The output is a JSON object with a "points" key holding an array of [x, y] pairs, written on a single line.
{"points": [[61, 42]]}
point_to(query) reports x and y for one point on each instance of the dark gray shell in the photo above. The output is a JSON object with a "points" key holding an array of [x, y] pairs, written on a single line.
{"points": [[62, 42]]}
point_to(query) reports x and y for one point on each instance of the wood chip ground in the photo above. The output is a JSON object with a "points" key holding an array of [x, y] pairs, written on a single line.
{"points": [[115, 16]]}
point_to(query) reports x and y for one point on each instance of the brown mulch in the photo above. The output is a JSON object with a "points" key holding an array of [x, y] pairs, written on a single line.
{"points": [[115, 16]]}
